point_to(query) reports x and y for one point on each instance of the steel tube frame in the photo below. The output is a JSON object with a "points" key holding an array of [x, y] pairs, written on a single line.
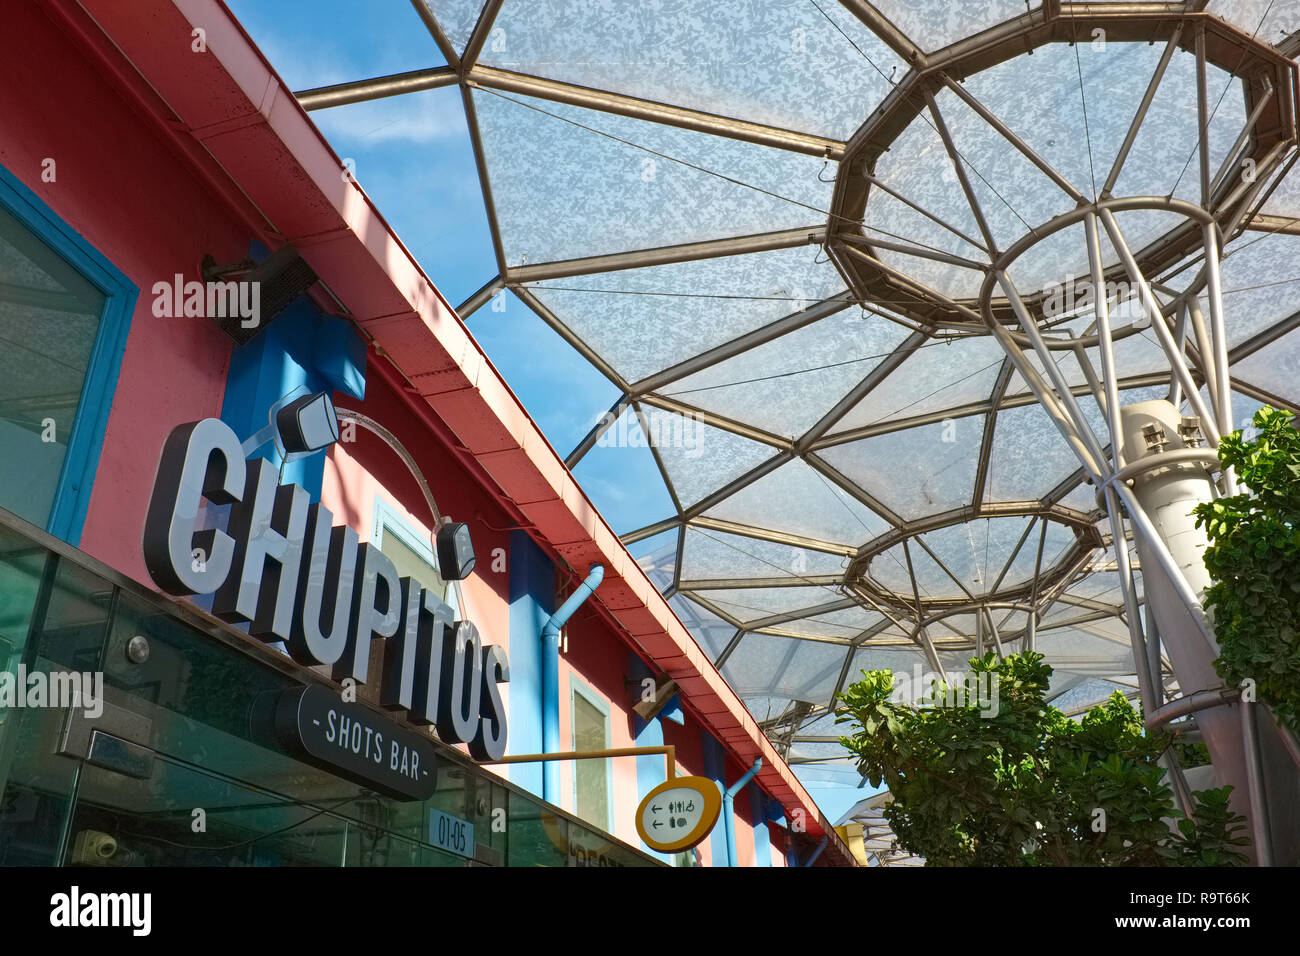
{"points": [[666, 255], [1047, 168], [380, 87], [1154, 310], [1167, 563], [928, 645], [1180, 336], [1142, 109], [1230, 160], [1148, 683], [883, 187], [622, 104], [1062, 391], [1190, 704], [1218, 344], [959, 167], [1259, 822], [993, 632], [1203, 359], [1155, 662]]}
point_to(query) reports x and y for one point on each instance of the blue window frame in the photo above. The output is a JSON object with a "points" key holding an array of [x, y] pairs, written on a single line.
{"points": [[71, 499]]}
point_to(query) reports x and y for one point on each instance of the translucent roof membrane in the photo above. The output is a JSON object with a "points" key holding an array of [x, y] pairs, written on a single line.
{"points": [[809, 400], [712, 632], [717, 555], [644, 320], [802, 670], [933, 24], [842, 625], [1269, 20], [570, 182], [940, 375], [1274, 368], [779, 62], [813, 507], [697, 457], [750, 604], [784, 386], [970, 558], [917, 471]]}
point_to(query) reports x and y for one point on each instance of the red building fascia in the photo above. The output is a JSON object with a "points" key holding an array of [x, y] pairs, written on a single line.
{"points": [[227, 110]]}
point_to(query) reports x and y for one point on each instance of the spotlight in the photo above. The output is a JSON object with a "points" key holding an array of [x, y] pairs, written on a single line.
{"points": [[307, 424], [455, 551]]}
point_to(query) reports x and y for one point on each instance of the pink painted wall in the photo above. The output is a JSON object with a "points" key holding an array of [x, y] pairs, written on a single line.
{"points": [[602, 669], [132, 196]]}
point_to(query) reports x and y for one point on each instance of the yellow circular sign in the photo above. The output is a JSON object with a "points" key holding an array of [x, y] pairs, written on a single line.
{"points": [[679, 813]]}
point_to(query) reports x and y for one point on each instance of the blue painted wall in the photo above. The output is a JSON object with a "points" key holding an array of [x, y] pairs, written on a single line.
{"points": [[532, 601], [300, 347], [715, 763], [760, 811], [650, 768]]}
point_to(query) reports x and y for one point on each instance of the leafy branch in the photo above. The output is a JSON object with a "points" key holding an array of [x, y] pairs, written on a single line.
{"points": [[1254, 559], [1028, 786]]}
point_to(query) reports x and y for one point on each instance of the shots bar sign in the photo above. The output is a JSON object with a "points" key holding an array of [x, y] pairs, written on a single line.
{"points": [[282, 566], [320, 728]]}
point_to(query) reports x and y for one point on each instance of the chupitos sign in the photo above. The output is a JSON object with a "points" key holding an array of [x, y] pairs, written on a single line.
{"points": [[282, 566]]}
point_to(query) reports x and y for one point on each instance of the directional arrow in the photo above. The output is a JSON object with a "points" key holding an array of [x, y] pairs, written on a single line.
{"points": [[654, 808], [656, 824]]}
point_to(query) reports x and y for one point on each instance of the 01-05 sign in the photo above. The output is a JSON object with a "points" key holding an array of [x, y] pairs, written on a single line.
{"points": [[678, 814]]}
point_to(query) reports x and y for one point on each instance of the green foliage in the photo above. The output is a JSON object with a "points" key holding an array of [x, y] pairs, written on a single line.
{"points": [[1023, 788], [1254, 558]]}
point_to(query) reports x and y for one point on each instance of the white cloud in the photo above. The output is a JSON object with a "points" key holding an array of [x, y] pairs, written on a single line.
{"points": [[412, 118]]}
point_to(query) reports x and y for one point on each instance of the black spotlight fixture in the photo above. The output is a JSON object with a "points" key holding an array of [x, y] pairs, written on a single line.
{"points": [[307, 424], [455, 551]]}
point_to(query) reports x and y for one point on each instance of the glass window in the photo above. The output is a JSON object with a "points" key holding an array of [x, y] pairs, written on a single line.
{"points": [[49, 319], [591, 777], [410, 550]]}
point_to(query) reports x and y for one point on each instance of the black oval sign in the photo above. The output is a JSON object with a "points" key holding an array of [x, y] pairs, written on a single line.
{"points": [[349, 739]]}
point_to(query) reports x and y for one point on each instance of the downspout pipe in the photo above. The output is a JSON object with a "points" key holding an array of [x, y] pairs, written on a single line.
{"points": [[728, 813], [818, 852], [551, 679]]}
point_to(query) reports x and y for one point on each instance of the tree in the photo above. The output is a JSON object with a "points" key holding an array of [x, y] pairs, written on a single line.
{"points": [[1023, 785], [1254, 559]]}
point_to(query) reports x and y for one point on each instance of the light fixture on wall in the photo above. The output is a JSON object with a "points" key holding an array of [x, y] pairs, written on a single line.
{"points": [[299, 424], [455, 551], [451, 541], [648, 708], [307, 424]]}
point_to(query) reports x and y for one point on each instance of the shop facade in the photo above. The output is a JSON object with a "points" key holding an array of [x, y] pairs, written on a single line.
{"points": [[150, 153]]}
